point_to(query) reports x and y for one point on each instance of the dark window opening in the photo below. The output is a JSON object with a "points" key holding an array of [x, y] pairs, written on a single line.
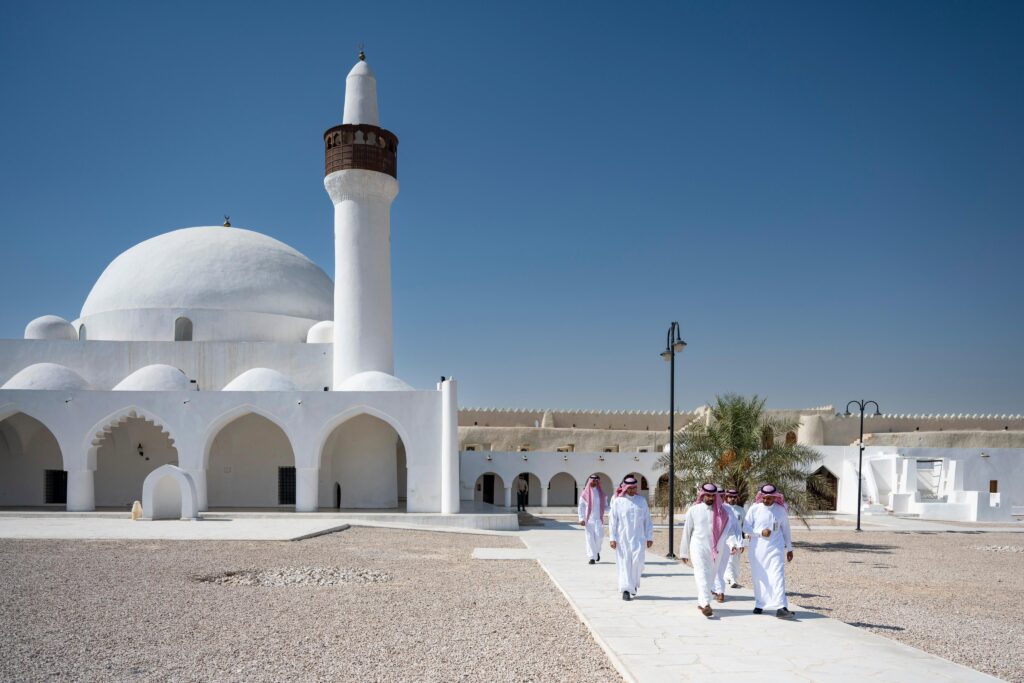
{"points": [[182, 329], [56, 487], [286, 486]]}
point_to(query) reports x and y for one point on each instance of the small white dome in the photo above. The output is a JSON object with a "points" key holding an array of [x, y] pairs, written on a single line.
{"points": [[260, 379], [47, 377], [51, 327], [321, 333], [155, 378], [372, 380]]}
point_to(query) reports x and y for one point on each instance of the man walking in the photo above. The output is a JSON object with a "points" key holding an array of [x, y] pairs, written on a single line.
{"points": [[631, 533], [771, 547], [591, 511], [729, 574], [709, 534]]}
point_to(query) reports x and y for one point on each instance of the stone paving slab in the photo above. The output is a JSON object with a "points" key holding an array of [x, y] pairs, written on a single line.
{"points": [[661, 636], [106, 528], [503, 554]]}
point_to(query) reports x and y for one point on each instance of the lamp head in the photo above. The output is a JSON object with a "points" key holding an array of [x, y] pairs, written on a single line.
{"points": [[667, 354], [678, 346]]}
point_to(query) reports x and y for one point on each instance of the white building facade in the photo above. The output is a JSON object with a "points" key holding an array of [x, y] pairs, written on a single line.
{"points": [[232, 356]]}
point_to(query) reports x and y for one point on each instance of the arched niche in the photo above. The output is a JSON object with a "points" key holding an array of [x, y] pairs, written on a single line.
{"points": [[533, 497], [489, 488], [251, 464], [562, 490], [182, 329], [169, 493], [362, 464], [31, 463], [130, 450]]}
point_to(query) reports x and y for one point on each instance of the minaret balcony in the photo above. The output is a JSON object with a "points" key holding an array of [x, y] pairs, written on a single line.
{"points": [[360, 146]]}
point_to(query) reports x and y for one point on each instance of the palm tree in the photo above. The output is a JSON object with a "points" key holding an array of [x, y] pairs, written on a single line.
{"points": [[741, 447]]}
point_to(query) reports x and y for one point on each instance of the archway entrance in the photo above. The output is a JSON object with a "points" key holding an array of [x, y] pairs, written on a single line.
{"points": [[31, 465], [362, 464], [251, 464], [124, 456], [533, 493], [822, 489], [562, 490], [490, 489]]}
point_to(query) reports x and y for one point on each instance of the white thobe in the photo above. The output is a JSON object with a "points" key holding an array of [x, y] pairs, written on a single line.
{"points": [[696, 546], [729, 571], [768, 555], [630, 526], [594, 527]]}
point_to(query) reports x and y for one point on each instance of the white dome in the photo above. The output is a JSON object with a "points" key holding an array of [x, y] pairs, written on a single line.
{"points": [[260, 379], [155, 378], [217, 268], [51, 327], [47, 377], [373, 380], [321, 333]]}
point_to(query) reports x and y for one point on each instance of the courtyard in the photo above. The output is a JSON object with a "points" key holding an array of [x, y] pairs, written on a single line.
{"points": [[408, 605]]}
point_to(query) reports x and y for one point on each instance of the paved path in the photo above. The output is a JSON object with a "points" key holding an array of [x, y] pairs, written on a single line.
{"points": [[660, 636]]}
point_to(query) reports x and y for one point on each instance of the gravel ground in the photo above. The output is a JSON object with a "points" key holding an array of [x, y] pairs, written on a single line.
{"points": [[363, 604], [958, 595]]}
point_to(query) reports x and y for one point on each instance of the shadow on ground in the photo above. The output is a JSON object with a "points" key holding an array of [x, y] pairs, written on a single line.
{"points": [[845, 547]]}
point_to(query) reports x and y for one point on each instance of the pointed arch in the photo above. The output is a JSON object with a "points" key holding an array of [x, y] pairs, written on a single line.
{"points": [[217, 424], [99, 431], [356, 411], [33, 467]]}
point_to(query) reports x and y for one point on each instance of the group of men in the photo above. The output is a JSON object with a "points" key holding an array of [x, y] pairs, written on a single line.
{"points": [[716, 532]]}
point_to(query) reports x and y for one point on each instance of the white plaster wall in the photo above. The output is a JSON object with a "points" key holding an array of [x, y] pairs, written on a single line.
{"points": [[550, 439], [213, 364], [166, 499], [120, 471], [244, 461], [361, 456], [27, 450], [157, 324]]}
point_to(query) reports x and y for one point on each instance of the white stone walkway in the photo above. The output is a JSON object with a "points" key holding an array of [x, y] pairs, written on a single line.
{"points": [[660, 636]]}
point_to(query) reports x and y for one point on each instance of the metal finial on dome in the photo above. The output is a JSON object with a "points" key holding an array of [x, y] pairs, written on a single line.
{"points": [[227, 221], [362, 54]]}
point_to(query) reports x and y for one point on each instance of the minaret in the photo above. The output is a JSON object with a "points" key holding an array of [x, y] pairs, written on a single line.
{"points": [[361, 178]]}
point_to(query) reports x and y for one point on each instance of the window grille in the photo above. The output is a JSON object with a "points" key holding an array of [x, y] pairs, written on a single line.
{"points": [[286, 486], [56, 487]]}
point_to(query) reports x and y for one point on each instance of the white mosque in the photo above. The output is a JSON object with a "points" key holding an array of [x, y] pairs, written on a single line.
{"points": [[234, 358]]}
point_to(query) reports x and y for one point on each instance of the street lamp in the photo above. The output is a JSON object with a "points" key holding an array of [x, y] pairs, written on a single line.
{"points": [[673, 345], [862, 404]]}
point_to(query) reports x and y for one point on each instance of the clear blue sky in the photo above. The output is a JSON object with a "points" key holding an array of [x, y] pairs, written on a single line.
{"points": [[827, 196]]}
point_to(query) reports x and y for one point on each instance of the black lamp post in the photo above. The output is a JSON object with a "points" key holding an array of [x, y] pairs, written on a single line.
{"points": [[862, 404], [673, 345]]}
